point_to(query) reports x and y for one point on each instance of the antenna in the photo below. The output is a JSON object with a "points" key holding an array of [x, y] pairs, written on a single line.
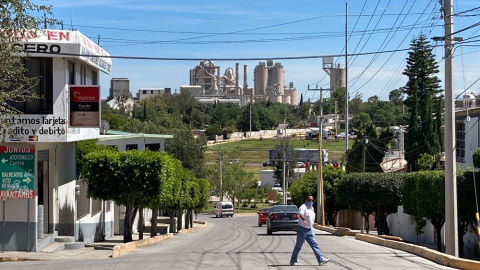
{"points": [[104, 127]]}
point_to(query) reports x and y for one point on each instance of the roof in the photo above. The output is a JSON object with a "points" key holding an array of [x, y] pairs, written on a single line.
{"points": [[118, 135]]}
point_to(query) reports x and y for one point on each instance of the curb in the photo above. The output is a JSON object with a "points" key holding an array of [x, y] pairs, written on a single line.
{"points": [[397, 243], [121, 249]]}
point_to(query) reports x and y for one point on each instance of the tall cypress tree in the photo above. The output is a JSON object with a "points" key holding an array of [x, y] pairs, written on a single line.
{"points": [[422, 90]]}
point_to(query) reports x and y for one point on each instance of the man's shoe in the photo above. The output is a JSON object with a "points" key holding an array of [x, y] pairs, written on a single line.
{"points": [[294, 264], [324, 261]]}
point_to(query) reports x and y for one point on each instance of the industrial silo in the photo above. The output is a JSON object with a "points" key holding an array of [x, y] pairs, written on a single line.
{"points": [[294, 96], [278, 78], [260, 77]]}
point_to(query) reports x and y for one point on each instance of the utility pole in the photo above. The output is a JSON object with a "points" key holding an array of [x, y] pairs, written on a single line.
{"points": [[320, 199], [346, 85], [221, 176], [284, 186], [451, 215], [364, 159]]}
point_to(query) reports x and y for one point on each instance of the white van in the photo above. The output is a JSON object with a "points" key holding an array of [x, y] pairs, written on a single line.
{"points": [[223, 209]]}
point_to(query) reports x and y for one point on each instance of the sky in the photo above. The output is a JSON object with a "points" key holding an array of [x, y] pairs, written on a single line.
{"points": [[246, 32]]}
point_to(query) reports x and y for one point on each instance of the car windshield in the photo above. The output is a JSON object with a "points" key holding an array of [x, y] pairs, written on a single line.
{"points": [[226, 206], [284, 208]]}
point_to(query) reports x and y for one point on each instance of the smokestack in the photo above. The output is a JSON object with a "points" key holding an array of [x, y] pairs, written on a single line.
{"points": [[237, 91], [245, 85]]}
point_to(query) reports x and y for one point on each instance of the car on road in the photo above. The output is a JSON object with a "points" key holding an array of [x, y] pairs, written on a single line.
{"points": [[341, 135], [269, 163], [223, 209], [262, 216], [277, 188], [282, 217]]}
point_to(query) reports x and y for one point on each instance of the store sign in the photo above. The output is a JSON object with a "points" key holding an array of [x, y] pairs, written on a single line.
{"points": [[84, 106], [58, 43], [17, 164]]}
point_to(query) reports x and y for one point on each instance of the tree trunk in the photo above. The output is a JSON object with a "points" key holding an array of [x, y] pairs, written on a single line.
{"points": [[191, 217], [367, 223], [383, 224], [140, 222], [179, 220], [187, 219], [171, 213], [153, 225], [462, 229], [127, 222], [438, 229]]}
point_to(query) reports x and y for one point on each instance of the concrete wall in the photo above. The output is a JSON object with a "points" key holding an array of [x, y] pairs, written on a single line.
{"points": [[96, 226], [17, 228]]}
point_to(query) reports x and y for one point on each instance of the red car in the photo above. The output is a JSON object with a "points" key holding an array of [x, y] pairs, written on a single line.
{"points": [[262, 216]]}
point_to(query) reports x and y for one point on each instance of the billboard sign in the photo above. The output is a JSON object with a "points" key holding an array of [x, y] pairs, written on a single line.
{"points": [[17, 164], [85, 106]]}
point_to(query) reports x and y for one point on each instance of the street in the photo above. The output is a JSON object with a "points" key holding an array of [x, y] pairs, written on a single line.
{"points": [[238, 243]]}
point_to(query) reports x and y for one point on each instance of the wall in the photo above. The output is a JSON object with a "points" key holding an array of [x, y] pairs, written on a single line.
{"points": [[267, 178], [96, 227], [65, 171], [17, 213]]}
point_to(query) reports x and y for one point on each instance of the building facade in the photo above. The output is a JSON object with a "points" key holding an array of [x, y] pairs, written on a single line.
{"points": [[39, 190]]}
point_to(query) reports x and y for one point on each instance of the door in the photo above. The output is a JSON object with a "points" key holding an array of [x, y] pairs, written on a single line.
{"points": [[43, 188]]}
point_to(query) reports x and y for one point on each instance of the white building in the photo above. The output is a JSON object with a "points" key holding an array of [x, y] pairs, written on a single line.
{"points": [[38, 164], [150, 92], [132, 141]]}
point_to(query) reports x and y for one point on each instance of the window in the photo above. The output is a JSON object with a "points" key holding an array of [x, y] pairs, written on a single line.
{"points": [[132, 147], [94, 78], [40, 68], [153, 146], [71, 73], [83, 75], [460, 141], [144, 92]]}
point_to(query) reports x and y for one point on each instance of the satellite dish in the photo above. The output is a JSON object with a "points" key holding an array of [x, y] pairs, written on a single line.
{"points": [[105, 126]]}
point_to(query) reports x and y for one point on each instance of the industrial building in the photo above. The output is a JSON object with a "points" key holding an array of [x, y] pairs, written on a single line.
{"points": [[208, 86]]}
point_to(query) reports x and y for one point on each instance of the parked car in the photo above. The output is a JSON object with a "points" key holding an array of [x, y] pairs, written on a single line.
{"points": [[282, 217], [277, 188], [262, 216], [341, 135], [269, 163], [223, 209]]}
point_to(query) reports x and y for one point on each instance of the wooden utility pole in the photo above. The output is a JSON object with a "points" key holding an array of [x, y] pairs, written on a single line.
{"points": [[320, 197]]}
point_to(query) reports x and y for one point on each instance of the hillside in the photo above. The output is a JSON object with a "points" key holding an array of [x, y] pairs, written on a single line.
{"points": [[254, 152]]}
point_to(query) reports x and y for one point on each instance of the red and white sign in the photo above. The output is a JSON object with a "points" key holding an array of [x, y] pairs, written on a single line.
{"points": [[58, 43], [85, 106]]}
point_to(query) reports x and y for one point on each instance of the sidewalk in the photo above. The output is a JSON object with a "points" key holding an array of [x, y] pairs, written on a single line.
{"points": [[96, 250]]}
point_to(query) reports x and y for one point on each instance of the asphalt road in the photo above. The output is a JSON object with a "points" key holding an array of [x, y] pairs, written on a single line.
{"points": [[238, 243]]}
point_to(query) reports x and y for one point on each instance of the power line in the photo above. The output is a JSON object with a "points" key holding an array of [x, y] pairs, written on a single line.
{"points": [[219, 59]]}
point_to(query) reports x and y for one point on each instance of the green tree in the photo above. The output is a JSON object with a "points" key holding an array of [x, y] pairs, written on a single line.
{"points": [[424, 196], [189, 150], [396, 97], [377, 193], [468, 189], [360, 119], [307, 184], [422, 90], [283, 151], [476, 158], [18, 19], [133, 178], [83, 148]]}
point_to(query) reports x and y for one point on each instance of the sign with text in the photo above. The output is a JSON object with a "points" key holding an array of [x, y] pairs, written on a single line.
{"points": [[17, 164], [85, 106]]}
